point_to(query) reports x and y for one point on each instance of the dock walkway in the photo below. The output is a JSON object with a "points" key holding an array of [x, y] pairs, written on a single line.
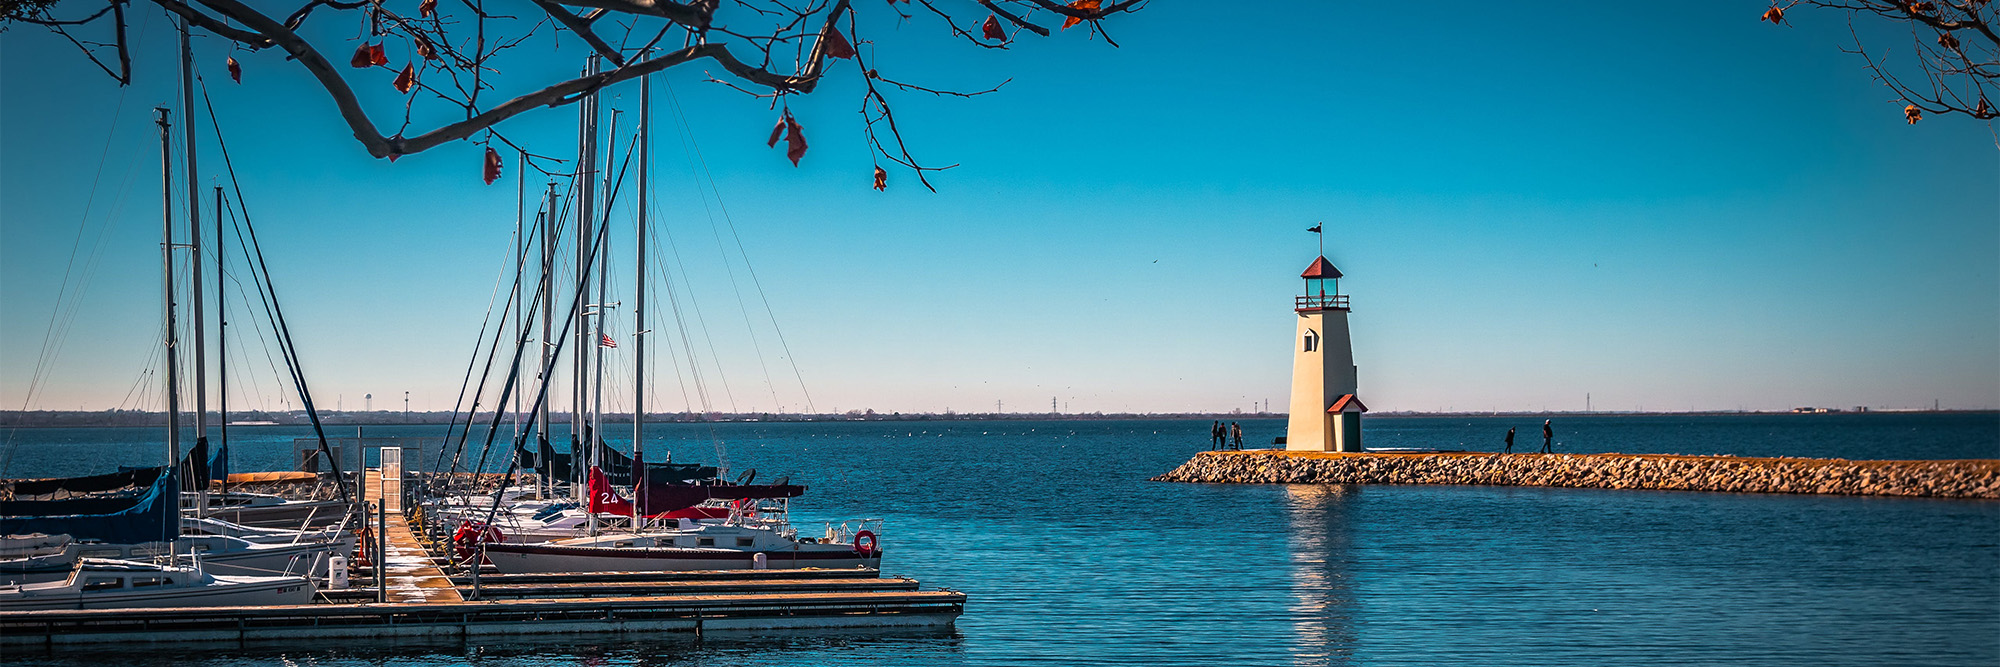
{"points": [[413, 576]]}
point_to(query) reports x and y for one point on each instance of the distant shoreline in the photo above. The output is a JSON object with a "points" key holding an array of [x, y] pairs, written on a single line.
{"points": [[133, 418]]}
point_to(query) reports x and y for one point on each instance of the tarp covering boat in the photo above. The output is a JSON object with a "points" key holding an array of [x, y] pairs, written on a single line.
{"points": [[617, 465], [127, 520], [659, 499], [195, 465], [110, 481]]}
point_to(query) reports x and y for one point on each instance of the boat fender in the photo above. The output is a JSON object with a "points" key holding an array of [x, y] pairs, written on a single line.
{"points": [[865, 543]]}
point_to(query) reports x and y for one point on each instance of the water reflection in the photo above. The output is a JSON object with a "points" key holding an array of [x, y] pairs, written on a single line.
{"points": [[1323, 609]]}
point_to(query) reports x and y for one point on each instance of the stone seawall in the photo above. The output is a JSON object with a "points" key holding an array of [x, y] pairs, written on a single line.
{"points": [[1973, 478]]}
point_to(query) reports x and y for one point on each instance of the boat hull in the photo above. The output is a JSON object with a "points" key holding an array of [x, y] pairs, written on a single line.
{"points": [[549, 558], [225, 592]]}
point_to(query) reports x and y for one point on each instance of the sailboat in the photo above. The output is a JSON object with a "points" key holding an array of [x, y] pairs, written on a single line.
{"points": [[696, 525], [147, 524], [115, 584]]}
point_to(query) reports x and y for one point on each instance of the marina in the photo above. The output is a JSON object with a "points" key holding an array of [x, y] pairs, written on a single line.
{"points": [[414, 598], [745, 333]]}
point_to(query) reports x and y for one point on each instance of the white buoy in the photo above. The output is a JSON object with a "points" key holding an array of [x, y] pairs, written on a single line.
{"points": [[759, 561], [336, 573]]}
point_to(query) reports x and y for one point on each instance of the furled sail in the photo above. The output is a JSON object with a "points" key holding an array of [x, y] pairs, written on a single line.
{"points": [[127, 520]]}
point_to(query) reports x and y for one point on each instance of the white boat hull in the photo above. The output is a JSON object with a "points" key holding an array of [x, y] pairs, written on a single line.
{"points": [[546, 558]]}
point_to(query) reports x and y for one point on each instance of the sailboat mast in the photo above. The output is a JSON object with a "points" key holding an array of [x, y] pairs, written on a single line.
{"points": [[585, 211], [603, 307], [597, 330], [221, 349], [520, 265], [194, 254], [167, 285], [548, 329], [639, 309]]}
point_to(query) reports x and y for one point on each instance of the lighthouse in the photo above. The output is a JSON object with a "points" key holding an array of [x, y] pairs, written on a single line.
{"points": [[1325, 411]]}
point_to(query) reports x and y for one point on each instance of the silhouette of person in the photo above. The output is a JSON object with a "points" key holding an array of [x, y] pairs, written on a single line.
{"points": [[1236, 431], [1510, 440], [1548, 435], [1215, 435]]}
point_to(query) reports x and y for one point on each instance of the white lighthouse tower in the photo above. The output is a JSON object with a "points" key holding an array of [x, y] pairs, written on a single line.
{"points": [[1325, 413]]}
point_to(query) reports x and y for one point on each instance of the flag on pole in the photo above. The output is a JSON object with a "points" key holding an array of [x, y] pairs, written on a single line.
{"points": [[1314, 229], [605, 341]]}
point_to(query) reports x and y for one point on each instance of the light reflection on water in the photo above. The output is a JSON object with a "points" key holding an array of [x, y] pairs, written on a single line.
{"points": [[1321, 555]]}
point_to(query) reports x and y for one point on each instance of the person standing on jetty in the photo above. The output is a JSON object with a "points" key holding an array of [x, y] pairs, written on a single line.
{"points": [[1236, 433], [1548, 435], [1215, 437], [1510, 441]]}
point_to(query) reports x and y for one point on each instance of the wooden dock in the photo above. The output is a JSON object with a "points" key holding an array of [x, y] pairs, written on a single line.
{"points": [[422, 601], [412, 574], [652, 613]]}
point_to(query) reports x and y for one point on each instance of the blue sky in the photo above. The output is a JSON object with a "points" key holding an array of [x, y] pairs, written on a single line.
{"points": [[1668, 207]]}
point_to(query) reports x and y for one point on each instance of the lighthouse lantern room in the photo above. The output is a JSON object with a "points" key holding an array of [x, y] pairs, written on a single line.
{"points": [[1325, 408]]}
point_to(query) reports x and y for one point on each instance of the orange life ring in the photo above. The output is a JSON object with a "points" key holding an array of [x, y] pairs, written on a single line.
{"points": [[873, 547]]}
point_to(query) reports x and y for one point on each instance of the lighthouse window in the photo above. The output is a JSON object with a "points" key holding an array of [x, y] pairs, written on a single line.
{"points": [[1311, 341]]}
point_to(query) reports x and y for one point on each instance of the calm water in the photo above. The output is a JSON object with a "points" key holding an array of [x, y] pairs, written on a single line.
{"points": [[1071, 557]]}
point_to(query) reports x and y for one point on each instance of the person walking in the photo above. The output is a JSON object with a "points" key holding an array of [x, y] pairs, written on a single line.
{"points": [[1510, 441], [1548, 436], [1236, 432]]}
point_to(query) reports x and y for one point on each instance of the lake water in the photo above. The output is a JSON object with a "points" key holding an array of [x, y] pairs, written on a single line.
{"points": [[1071, 557]]}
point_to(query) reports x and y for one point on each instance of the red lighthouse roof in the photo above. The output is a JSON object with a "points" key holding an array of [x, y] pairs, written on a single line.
{"points": [[1321, 269]]}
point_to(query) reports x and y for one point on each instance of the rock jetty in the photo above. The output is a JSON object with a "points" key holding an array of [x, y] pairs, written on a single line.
{"points": [[1973, 478]]}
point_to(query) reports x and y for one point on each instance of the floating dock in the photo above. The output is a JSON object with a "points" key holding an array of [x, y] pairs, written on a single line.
{"points": [[419, 600]]}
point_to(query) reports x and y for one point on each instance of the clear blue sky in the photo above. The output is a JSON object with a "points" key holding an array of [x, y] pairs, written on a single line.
{"points": [[1668, 206]]}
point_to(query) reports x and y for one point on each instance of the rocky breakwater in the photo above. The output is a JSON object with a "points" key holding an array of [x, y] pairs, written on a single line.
{"points": [[1974, 478]]}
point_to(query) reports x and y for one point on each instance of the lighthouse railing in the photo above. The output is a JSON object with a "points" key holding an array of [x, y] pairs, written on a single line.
{"points": [[1321, 302]]}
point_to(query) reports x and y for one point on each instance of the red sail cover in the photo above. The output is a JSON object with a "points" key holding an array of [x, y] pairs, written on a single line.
{"points": [[603, 499], [667, 500]]}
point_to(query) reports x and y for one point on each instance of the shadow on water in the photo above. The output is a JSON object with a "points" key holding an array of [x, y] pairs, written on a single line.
{"points": [[1323, 558], [714, 648]]}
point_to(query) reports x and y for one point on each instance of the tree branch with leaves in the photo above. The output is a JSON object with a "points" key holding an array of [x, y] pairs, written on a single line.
{"points": [[1952, 62], [767, 48]]}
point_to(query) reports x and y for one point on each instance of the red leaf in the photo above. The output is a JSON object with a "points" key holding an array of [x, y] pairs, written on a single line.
{"points": [[795, 140], [1948, 41], [835, 44], [492, 171], [235, 70], [406, 80], [427, 8], [1082, 6], [992, 29], [1913, 113], [777, 131], [881, 178], [361, 56], [376, 56], [1775, 15], [424, 47]]}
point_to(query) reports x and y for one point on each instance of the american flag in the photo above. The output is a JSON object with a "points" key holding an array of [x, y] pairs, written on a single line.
{"points": [[605, 341]]}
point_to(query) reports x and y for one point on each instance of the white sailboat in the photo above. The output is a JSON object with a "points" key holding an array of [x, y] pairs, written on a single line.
{"points": [[117, 584]]}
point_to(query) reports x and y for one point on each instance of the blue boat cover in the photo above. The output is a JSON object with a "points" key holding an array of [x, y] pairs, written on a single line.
{"points": [[129, 520]]}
